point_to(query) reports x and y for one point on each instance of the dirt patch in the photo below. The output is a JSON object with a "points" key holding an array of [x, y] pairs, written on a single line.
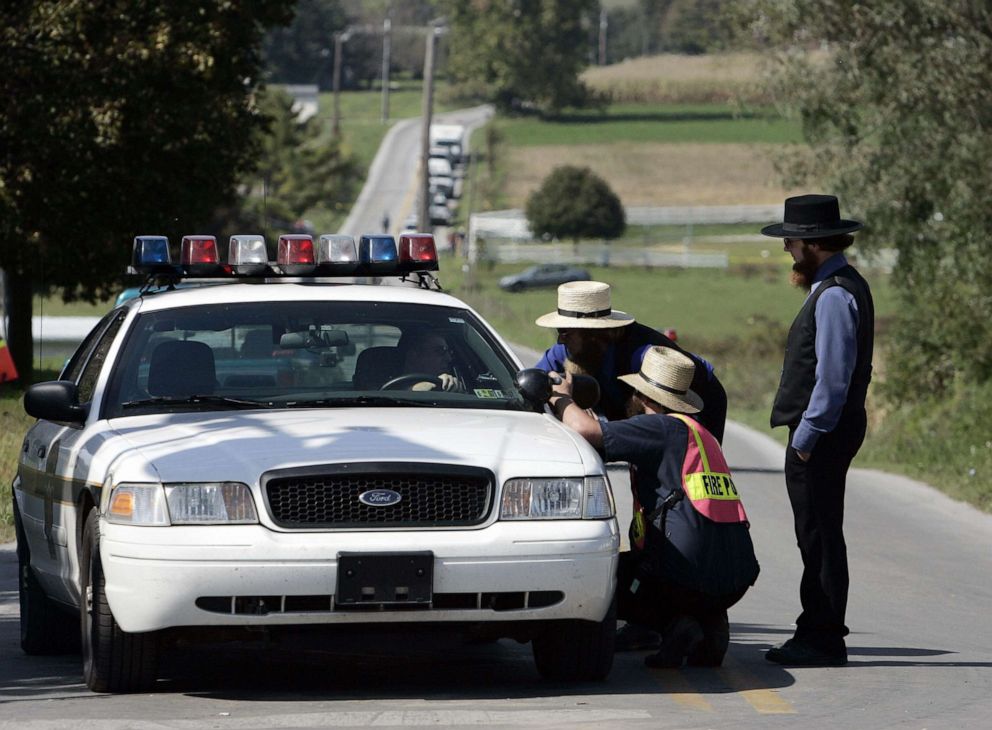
{"points": [[657, 174]]}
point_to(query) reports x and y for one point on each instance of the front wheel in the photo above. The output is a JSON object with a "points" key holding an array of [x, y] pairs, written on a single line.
{"points": [[113, 660], [577, 650]]}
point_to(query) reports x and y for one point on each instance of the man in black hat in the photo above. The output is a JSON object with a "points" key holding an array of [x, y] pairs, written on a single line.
{"points": [[821, 398]]}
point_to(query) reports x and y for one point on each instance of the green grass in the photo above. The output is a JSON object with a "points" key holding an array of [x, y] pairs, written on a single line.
{"points": [[702, 304], [659, 123], [944, 441]]}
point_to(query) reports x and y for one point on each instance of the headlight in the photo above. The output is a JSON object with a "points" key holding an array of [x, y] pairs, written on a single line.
{"points": [[210, 503], [207, 503], [570, 498]]}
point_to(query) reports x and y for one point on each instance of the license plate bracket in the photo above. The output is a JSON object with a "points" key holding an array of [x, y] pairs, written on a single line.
{"points": [[385, 580]]}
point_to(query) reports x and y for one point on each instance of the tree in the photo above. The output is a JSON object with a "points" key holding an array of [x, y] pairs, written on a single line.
{"points": [[110, 128], [518, 54], [574, 202], [897, 111], [299, 169], [303, 51]]}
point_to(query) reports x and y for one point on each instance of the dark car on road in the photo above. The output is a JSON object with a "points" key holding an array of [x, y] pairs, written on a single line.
{"points": [[543, 275]]}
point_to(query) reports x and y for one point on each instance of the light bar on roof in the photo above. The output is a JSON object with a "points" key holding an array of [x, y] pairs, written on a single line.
{"points": [[295, 254], [247, 255], [417, 252], [337, 254]]}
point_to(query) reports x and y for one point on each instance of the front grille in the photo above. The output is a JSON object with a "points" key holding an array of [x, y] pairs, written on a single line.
{"points": [[431, 495]]}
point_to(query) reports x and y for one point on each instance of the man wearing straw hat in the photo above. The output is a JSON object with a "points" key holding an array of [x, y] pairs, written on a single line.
{"points": [[821, 398], [691, 554], [595, 339]]}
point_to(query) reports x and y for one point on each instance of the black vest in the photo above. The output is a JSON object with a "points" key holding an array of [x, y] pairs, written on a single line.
{"points": [[799, 369]]}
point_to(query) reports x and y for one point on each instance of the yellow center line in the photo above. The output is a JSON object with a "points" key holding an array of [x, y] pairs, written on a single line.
{"points": [[765, 701], [679, 690]]}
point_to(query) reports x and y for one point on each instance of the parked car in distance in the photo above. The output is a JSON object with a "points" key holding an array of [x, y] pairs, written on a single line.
{"points": [[440, 215], [543, 275]]}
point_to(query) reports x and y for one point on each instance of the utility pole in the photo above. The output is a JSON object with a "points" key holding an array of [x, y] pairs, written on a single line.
{"points": [[603, 22], [339, 39], [423, 211], [386, 43]]}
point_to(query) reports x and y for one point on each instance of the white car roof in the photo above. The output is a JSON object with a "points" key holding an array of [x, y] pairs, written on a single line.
{"points": [[290, 292]]}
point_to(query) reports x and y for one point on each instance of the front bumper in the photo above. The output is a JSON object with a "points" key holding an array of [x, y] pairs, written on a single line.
{"points": [[155, 575]]}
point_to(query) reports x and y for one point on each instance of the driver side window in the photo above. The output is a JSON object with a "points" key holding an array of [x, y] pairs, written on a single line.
{"points": [[87, 380]]}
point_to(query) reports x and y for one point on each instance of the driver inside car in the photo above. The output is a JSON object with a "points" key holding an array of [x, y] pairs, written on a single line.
{"points": [[429, 353]]}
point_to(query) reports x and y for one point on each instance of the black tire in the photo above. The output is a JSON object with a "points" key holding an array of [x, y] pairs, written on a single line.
{"points": [[113, 660], [577, 650], [45, 628]]}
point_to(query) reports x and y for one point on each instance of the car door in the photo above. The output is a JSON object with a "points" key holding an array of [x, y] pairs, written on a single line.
{"points": [[50, 498]]}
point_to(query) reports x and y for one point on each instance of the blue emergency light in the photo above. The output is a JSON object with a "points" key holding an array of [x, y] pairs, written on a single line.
{"points": [[150, 254], [377, 254]]}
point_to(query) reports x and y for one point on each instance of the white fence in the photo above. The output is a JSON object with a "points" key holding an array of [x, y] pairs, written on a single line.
{"points": [[503, 235], [600, 254]]}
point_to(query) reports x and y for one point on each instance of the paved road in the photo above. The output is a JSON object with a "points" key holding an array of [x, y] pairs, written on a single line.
{"points": [[392, 183]]}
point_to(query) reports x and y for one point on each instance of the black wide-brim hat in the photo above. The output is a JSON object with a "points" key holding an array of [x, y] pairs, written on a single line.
{"points": [[811, 216]]}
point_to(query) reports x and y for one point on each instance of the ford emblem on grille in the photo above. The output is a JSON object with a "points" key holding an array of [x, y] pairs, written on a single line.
{"points": [[380, 497]]}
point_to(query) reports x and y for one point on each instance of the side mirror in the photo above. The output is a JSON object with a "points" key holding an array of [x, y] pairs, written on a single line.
{"points": [[535, 386], [55, 400]]}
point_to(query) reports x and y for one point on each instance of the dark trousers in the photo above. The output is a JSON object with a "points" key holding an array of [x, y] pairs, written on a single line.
{"points": [[656, 603], [816, 491]]}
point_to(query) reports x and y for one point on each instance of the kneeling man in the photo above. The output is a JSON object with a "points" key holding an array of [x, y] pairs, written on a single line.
{"points": [[691, 554]]}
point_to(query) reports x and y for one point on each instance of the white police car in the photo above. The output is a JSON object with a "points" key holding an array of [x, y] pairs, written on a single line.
{"points": [[256, 453]]}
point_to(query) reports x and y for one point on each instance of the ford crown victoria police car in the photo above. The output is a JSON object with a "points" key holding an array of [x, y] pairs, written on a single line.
{"points": [[252, 454]]}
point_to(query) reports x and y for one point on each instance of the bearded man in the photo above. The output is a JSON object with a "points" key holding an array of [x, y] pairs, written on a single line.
{"points": [[596, 340], [821, 398]]}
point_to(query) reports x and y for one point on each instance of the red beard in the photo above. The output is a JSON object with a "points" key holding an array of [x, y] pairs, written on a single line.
{"points": [[804, 270]]}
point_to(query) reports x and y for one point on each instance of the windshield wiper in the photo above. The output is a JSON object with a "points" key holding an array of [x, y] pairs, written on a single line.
{"points": [[359, 400], [197, 400]]}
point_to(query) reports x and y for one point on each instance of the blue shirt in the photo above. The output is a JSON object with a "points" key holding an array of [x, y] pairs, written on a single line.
{"points": [[836, 348], [612, 391]]}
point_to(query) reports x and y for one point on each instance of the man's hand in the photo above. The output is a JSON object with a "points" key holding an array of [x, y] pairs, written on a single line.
{"points": [[561, 385], [804, 456], [448, 382]]}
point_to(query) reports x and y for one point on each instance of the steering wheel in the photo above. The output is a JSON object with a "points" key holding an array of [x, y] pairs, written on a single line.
{"points": [[411, 379]]}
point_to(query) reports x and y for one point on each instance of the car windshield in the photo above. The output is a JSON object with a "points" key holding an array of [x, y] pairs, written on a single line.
{"points": [[309, 354]]}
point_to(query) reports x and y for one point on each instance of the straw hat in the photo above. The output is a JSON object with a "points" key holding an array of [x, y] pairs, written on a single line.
{"points": [[665, 377], [584, 305]]}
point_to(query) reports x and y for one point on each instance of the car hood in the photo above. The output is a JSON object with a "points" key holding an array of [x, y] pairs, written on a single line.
{"points": [[242, 445]]}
